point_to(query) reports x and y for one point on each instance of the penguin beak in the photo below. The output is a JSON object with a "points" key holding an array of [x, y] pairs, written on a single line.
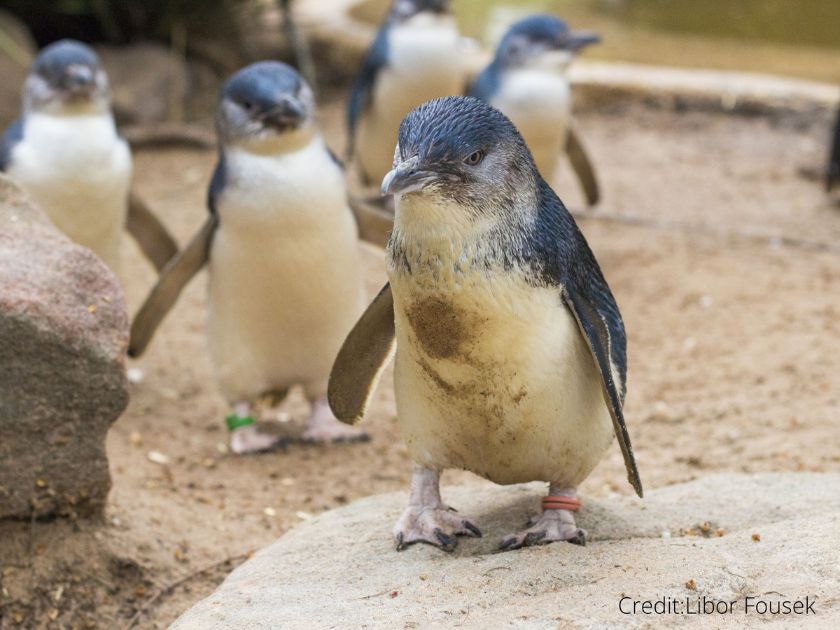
{"points": [[406, 177], [287, 114], [577, 40], [79, 80]]}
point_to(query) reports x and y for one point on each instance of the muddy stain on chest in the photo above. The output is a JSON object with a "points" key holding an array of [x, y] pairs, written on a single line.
{"points": [[441, 328]]}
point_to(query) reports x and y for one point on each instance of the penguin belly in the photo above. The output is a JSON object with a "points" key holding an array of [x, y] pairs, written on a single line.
{"points": [[493, 376], [539, 103], [285, 280], [424, 64], [78, 170]]}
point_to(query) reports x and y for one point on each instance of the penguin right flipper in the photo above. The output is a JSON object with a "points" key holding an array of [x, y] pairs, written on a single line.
{"points": [[153, 238], [174, 277], [362, 358], [832, 173], [599, 321], [12, 135], [362, 91], [583, 167]]}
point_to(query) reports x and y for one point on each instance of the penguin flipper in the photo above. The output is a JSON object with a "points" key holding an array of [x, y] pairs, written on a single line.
{"points": [[583, 167], [362, 91], [598, 319], [832, 172], [174, 277], [151, 235], [362, 358], [12, 135]]}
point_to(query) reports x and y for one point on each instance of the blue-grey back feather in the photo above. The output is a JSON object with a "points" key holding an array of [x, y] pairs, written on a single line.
{"points": [[12, 135]]}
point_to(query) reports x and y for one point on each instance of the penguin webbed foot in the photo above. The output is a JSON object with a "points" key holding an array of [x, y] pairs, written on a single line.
{"points": [[324, 428], [438, 526], [550, 526], [249, 440]]}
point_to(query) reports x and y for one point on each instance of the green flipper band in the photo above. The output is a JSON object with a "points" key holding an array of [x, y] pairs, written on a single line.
{"points": [[235, 422]]}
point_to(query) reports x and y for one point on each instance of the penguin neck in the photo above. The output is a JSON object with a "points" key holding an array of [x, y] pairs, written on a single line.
{"points": [[432, 234], [277, 144]]}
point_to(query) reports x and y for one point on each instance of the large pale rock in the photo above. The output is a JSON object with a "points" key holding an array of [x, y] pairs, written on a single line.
{"points": [[340, 570], [63, 337]]}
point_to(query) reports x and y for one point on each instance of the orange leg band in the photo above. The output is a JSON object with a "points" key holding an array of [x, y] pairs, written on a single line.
{"points": [[558, 502]]}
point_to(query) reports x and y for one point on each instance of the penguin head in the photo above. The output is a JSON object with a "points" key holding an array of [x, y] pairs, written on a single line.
{"points": [[66, 77], [460, 152], [265, 106], [407, 10], [542, 40]]}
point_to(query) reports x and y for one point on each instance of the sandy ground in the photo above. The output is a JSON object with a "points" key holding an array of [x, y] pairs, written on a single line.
{"points": [[734, 347]]}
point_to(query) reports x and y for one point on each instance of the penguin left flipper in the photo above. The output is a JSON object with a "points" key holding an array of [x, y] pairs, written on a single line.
{"points": [[598, 319], [583, 167], [360, 95], [153, 238], [174, 277], [363, 355], [11, 136]]}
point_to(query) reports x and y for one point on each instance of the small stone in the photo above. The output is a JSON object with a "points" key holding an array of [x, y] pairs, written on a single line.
{"points": [[135, 375], [270, 511], [691, 585], [304, 516], [756, 537], [136, 438], [156, 457]]}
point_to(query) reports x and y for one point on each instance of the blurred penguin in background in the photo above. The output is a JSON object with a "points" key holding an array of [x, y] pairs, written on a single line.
{"points": [[832, 173], [527, 81], [280, 243], [65, 151], [414, 58]]}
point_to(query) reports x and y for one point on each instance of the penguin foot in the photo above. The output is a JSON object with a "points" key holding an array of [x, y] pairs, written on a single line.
{"points": [[438, 526], [324, 428], [550, 526], [249, 439]]}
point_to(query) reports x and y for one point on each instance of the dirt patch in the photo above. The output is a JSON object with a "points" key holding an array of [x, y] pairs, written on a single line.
{"points": [[734, 365], [440, 326]]}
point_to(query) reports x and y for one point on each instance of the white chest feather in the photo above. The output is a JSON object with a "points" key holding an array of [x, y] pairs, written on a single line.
{"points": [[424, 63], [285, 279], [492, 374], [79, 171], [538, 101]]}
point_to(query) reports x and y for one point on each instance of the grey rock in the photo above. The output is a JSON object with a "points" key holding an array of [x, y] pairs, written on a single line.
{"points": [[148, 82], [340, 570], [63, 338]]}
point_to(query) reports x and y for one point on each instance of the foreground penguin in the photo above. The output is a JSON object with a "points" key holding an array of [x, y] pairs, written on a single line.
{"points": [[414, 58], [510, 348], [832, 173], [285, 278], [66, 153], [527, 81]]}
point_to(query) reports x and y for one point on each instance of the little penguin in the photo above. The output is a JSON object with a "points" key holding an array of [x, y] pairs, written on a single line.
{"points": [[510, 348], [280, 242], [414, 57], [66, 153], [527, 81]]}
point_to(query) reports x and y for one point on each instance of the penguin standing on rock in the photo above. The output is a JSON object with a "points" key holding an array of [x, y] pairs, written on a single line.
{"points": [[66, 153], [527, 81], [285, 283], [510, 348], [414, 58]]}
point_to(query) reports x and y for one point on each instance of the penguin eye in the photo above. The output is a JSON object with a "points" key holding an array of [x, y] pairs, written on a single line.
{"points": [[248, 105], [474, 159]]}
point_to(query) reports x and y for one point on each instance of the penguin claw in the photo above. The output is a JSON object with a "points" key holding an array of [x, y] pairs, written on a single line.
{"points": [[551, 526], [438, 526]]}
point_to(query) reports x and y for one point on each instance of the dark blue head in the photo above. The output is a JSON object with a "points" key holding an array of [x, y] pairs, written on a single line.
{"points": [[66, 74], [537, 36], [460, 149], [263, 101], [403, 10]]}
